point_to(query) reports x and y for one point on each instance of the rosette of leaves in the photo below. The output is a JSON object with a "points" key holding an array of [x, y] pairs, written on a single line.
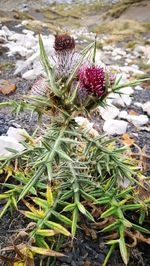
{"points": [[68, 173]]}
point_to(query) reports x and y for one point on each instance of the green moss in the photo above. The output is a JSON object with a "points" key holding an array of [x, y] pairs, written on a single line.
{"points": [[147, 26], [122, 30], [22, 16], [144, 66], [77, 10], [39, 27], [130, 44], [99, 45], [117, 11], [6, 65]]}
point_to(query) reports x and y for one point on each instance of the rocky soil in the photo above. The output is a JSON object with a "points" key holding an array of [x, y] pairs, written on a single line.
{"points": [[128, 113]]}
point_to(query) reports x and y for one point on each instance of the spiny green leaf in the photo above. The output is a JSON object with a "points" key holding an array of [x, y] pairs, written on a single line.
{"points": [[111, 227], [49, 196], [67, 195], [103, 200], [85, 212], [87, 196], [57, 227], [81, 208], [4, 196], [41, 242], [142, 216], [109, 212], [131, 206], [69, 207], [48, 68], [45, 232], [111, 242], [6, 206], [140, 228], [41, 202], [62, 218], [108, 255], [122, 246], [31, 215], [94, 51], [63, 155], [74, 222], [32, 181]]}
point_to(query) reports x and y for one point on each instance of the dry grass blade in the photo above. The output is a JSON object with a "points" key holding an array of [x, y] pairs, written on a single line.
{"points": [[45, 252]]}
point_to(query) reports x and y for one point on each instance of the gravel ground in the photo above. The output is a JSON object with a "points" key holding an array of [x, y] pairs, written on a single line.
{"points": [[84, 251]]}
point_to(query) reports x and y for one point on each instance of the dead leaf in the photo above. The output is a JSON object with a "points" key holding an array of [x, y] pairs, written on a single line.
{"points": [[112, 236], [143, 192], [141, 238], [8, 260], [102, 224], [126, 140], [87, 263], [89, 231], [136, 237], [45, 252], [132, 112], [6, 87]]}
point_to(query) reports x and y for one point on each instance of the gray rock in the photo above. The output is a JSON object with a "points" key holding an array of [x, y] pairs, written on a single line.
{"points": [[146, 107], [138, 88], [109, 112], [139, 105], [112, 127], [30, 74], [9, 142], [123, 114], [17, 133], [139, 120]]}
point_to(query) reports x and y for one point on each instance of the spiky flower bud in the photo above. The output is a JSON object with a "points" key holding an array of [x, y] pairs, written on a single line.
{"points": [[65, 59], [65, 55], [40, 87], [92, 79]]}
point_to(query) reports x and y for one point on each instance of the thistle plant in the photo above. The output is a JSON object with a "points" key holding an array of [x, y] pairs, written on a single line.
{"points": [[69, 172]]}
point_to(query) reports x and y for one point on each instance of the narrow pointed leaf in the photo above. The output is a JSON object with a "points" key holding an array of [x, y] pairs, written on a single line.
{"points": [[45, 252], [41, 202], [49, 196], [69, 207], [74, 222], [62, 218], [45, 232], [6, 206], [111, 227], [32, 181], [35, 211], [109, 212], [123, 250], [58, 228]]}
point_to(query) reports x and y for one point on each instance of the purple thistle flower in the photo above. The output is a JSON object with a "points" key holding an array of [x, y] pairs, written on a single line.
{"points": [[65, 59], [65, 55], [92, 79]]}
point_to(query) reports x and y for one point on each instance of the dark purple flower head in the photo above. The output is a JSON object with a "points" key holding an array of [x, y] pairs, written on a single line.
{"points": [[92, 78], [64, 42], [65, 56]]}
